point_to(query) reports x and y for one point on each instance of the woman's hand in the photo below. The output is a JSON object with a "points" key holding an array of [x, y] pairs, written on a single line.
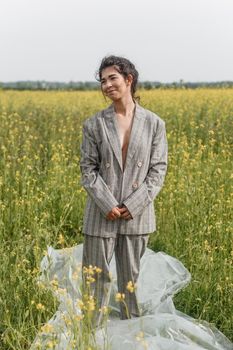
{"points": [[125, 214], [117, 213], [114, 214]]}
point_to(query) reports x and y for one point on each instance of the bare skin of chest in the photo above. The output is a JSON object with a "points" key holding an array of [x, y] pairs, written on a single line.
{"points": [[124, 127]]}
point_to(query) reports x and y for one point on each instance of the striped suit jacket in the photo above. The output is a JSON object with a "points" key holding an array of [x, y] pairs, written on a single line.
{"points": [[108, 185]]}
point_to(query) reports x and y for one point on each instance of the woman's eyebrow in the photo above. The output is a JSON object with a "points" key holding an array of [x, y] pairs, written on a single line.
{"points": [[110, 76]]}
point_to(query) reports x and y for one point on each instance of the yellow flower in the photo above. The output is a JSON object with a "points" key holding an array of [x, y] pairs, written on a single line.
{"points": [[90, 304], [98, 270], [68, 321], [131, 287], [40, 306], [61, 291], [40, 285], [104, 310], [79, 317], [90, 279], [47, 328], [80, 304], [75, 275], [73, 343], [119, 296], [51, 344], [140, 338], [140, 335], [54, 283], [88, 270], [61, 239]]}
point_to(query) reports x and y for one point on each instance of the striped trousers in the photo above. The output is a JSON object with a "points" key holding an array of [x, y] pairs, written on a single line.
{"points": [[98, 251]]}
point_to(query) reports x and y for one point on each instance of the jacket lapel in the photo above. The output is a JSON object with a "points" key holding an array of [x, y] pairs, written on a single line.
{"points": [[136, 132], [135, 136], [111, 129]]}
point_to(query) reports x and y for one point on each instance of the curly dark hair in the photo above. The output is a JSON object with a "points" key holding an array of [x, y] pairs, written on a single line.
{"points": [[123, 66]]}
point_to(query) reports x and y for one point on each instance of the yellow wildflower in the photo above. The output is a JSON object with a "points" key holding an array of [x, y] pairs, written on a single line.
{"points": [[54, 283], [79, 317], [51, 344], [90, 279], [90, 304], [104, 310], [80, 304], [47, 328], [131, 287], [140, 336], [75, 275], [61, 239], [88, 270], [119, 296], [40, 306], [98, 270]]}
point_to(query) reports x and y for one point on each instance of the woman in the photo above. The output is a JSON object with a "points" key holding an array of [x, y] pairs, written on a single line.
{"points": [[123, 166]]}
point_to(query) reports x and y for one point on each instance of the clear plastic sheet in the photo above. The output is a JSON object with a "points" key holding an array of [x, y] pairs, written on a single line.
{"points": [[160, 327]]}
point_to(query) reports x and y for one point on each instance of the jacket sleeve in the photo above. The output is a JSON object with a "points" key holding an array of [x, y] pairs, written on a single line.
{"points": [[91, 179], [151, 186]]}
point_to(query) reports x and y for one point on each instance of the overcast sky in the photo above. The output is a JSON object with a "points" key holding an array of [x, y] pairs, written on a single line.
{"points": [[167, 40]]}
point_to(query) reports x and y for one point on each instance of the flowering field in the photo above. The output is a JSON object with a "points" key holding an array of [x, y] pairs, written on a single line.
{"points": [[41, 200]]}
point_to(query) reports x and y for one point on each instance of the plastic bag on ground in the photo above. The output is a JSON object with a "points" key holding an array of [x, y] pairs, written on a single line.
{"points": [[161, 326]]}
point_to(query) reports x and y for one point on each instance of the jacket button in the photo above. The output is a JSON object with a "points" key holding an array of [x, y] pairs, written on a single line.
{"points": [[107, 165], [135, 185], [139, 164]]}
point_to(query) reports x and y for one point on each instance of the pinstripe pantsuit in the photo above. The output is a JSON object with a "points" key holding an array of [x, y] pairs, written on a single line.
{"points": [[109, 184], [98, 251]]}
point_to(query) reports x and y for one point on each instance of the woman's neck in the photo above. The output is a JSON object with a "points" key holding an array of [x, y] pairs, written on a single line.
{"points": [[124, 106]]}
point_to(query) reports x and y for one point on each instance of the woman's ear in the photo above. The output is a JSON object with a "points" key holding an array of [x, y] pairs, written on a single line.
{"points": [[129, 79]]}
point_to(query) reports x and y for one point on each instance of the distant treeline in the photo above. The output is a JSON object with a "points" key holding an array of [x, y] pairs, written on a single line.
{"points": [[89, 85]]}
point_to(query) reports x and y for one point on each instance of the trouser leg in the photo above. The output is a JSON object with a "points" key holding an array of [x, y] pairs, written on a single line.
{"points": [[128, 251], [98, 251]]}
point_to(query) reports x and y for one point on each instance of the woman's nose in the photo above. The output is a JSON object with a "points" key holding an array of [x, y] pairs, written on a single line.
{"points": [[108, 83]]}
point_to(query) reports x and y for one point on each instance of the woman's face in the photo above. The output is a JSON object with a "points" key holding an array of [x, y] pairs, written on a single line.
{"points": [[114, 85]]}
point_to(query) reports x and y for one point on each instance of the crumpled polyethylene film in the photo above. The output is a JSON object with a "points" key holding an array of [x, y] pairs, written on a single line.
{"points": [[160, 327]]}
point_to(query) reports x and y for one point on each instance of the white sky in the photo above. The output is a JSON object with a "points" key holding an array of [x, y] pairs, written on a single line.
{"points": [[168, 40]]}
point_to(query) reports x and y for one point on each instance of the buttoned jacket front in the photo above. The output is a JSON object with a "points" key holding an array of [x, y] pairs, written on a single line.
{"points": [[109, 185]]}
